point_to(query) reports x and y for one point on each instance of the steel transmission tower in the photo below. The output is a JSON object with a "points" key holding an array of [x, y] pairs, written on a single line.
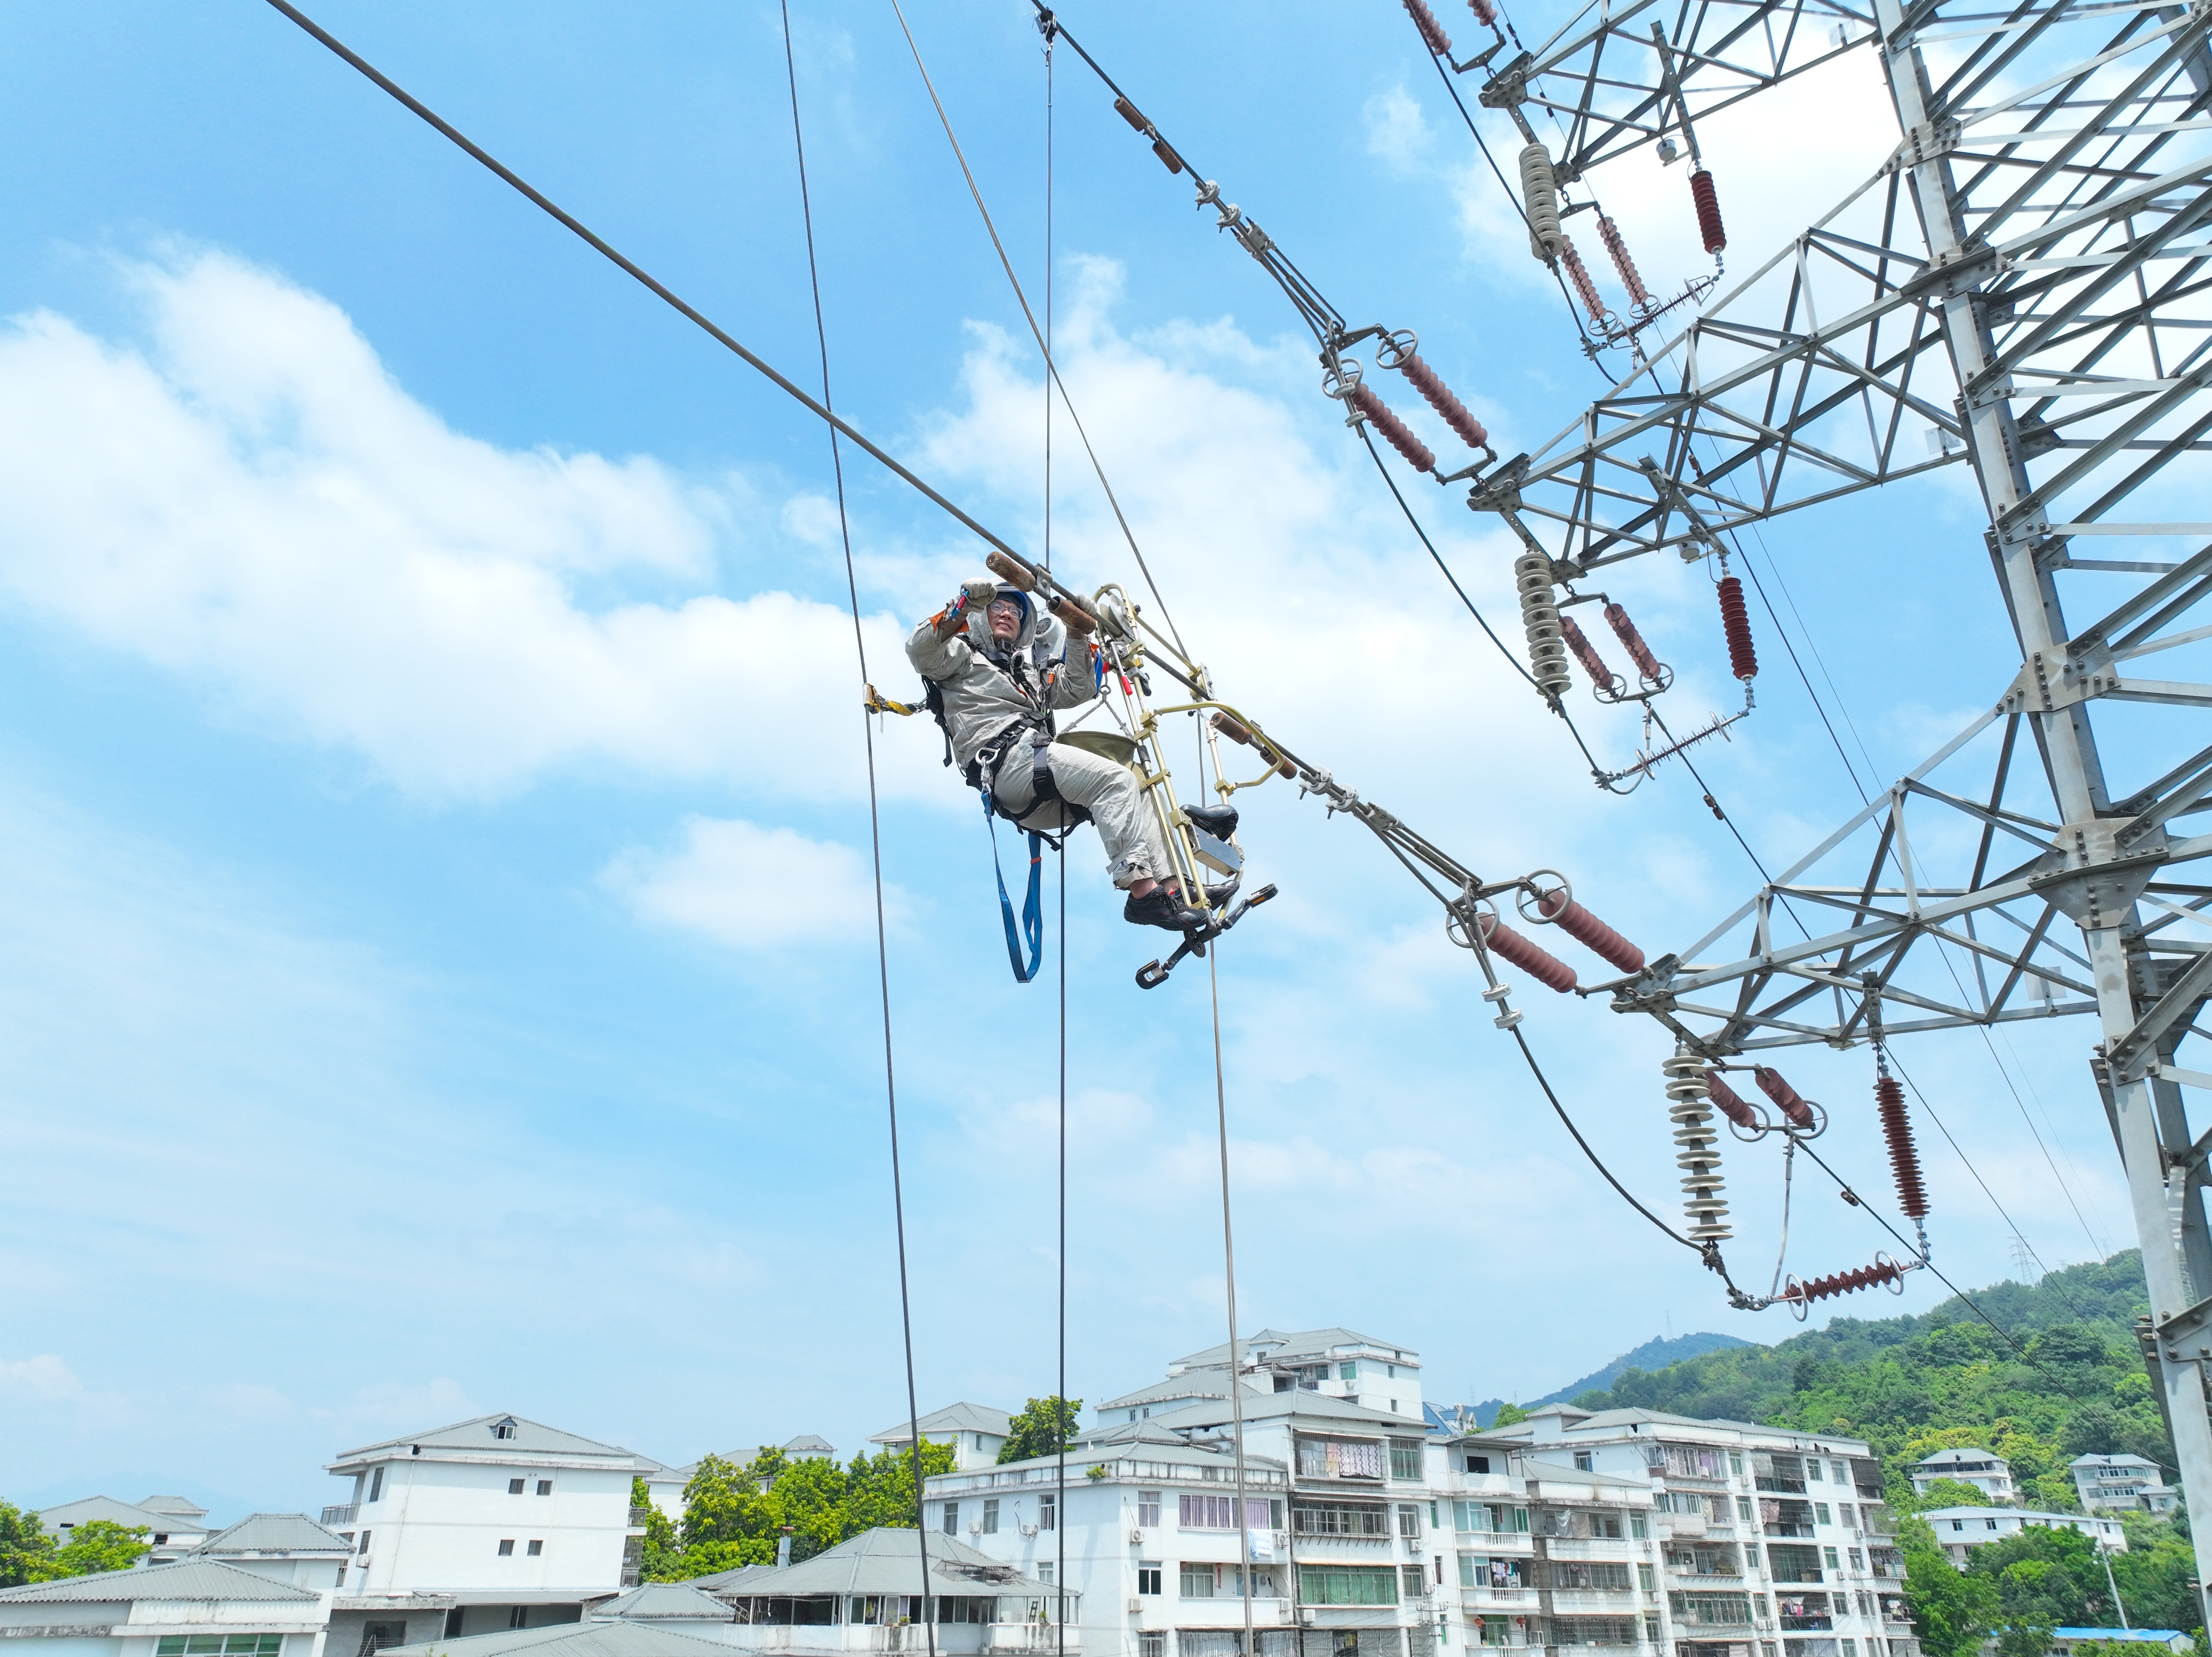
{"points": [[2024, 288]]}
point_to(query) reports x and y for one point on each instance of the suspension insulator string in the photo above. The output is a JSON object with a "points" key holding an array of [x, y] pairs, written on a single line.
{"points": [[1449, 408], [1735, 622], [1586, 929], [1592, 302], [1709, 211], [1609, 234], [1539, 190], [1896, 1125], [1395, 431], [1697, 1147], [1786, 1098], [1540, 620], [1608, 681], [1485, 13], [1532, 958], [1624, 629], [1432, 32]]}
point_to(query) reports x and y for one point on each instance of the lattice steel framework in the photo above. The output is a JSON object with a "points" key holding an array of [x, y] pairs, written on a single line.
{"points": [[2024, 289]]}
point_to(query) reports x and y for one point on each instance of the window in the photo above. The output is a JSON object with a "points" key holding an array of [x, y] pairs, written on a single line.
{"points": [[1201, 1580], [503, 1428], [1644, 1580], [1409, 1519], [517, 1617], [1583, 1463], [376, 1485], [363, 1549], [1988, 1524], [1843, 1511], [1044, 1571], [1405, 1455], [536, 1548], [1205, 1513], [1329, 1457], [1735, 1463], [1743, 1508], [1957, 1525], [506, 1547], [220, 1644], [160, 1538], [1651, 1628], [1857, 1559], [1412, 1584], [1148, 1577], [1829, 1555], [1348, 1585], [1813, 1468], [1048, 1515], [1153, 1642], [376, 1636], [545, 1487], [952, 1518], [1148, 1506], [1340, 1519], [1821, 1513], [515, 1486], [1478, 1464], [991, 1515], [1348, 1372], [1638, 1526]]}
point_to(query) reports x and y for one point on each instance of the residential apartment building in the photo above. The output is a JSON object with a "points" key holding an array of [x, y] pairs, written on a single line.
{"points": [[976, 1433], [494, 1523], [1961, 1529], [173, 1526], [188, 1608], [1336, 1362], [2118, 1483], [1986, 1471]]}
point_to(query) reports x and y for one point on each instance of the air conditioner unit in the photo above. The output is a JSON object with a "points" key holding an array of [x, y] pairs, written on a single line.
{"points": [[1135, 1604], [1136, 1537], [975, 1527], [1306, 1616], [1029, 1530]]}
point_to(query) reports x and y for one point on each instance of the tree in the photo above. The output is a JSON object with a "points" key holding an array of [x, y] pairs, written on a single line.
{"points": [[1509, 1415], [881, 1488], [1952, 1609], [1041, 1428], [100, 1545], [24, 1547], [2045, 1578], [661, 1545], [738, 1515]]}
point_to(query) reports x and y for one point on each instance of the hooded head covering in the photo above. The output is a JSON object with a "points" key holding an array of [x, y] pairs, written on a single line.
{"points": [[1033, 622]]}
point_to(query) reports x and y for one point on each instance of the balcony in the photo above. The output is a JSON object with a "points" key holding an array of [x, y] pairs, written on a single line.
{"points": [[1822, 1623], [1780, 1486], [1498, 1598], [340, 1515], [1805, 1531], [1590, 1601]]}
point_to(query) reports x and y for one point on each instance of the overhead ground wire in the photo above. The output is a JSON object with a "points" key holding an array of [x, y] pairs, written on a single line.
{"points": [[875, 843]]}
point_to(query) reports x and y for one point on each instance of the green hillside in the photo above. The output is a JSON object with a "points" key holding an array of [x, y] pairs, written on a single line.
{"points": [[2070, 1382]]}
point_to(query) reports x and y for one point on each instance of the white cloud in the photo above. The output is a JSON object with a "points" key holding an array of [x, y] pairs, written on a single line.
{"points": [[1397, 132], [42, 1380], [253, 503], [751, 887]]}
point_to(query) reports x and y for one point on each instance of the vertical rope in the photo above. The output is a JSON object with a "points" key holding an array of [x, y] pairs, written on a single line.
{"points": [[1229, 1266], [1060, 853], [875, 848]]}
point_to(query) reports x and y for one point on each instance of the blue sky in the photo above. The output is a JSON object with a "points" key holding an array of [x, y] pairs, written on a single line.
{"points": [[445, 976]]}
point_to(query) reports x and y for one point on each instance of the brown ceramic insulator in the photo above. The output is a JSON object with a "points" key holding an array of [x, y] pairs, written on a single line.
{"points": [[1534, 959], [1394, 431], [1432, 32], [1903, 1157], [1735, 622], [1609, 234], [1625, 630], [1593, 934], [1709, 211], [1731, 1104], [1454, 414], [1786, 1097]]}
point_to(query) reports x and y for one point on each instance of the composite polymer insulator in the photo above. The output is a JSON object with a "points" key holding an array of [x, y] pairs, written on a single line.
{"points": [[1786, 1097], [1531, 957], [1440, 397], [1733, 1104], [1540, 623], [1609, 234], [1431, 30], [1540, 196], [1485, 13], [1592, 302], [1625, 630], [1697, 1148], [1735, 622], [1399, 435], [1586, 929], [1709, 211], [1593, 663], [1903, 1157], [1844, 1282], [1129, 112]]}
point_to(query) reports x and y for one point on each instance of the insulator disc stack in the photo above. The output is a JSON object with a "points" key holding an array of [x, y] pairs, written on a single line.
{"points": [[1735, 622], [1540, 621], [1440, 397], [1734, 1104], [1625, 630], [1844, 1282], [1395, 431], [1593, 663], [1586, 929], [1531, 957], [1609, 234], [1540, 196], [1485, 13], [1709, 211], [1698, 1149], [1431, 30], [1904, 1156], [1580, 279], [1786, 1097]]}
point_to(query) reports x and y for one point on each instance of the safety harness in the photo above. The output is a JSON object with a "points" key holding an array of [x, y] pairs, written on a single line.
{"points": [[981, 773]]}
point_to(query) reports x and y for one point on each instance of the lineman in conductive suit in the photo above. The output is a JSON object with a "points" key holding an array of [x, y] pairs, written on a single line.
{"points": [[998, 665]]}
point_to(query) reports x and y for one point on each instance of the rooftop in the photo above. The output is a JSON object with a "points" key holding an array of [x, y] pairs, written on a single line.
{"points": [[2030, 1516], [886, 1561], [1281, 1346], [608, 1639], [1965, 1453], [492, 1436], [953, 1418], [174, 1507], [276, 1532], [187, 1579], [664, 1602], [2133, 1464], [86, 1508]]}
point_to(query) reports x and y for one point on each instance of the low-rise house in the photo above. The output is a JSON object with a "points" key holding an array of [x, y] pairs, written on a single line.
{"points": [[494, 1523], [1958, 1529], [608, 1639], [1986, 1471], [875, 1591], [682, 1606], [188, 1608], [284, 1547], [976, 1433], [2109, 1483], [174, 1526], [1336, 1362], [2091, 1641]]}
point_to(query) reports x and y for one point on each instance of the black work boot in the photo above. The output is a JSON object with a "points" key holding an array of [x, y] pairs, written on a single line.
{"points": [[1163, 908]]}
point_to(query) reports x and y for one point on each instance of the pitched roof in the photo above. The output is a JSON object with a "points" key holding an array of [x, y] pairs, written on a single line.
{"points": [[887, 1561], [2024, 1515], [478, 1435], [1266, 1406], [1964, 1452], [722, 1578], [85, 1509], [607, 1639], [174, 1507], [953, 1418], [1212, 1381], [808, 1444], [187, 1579], [276, 1532], [663, 1601], [1288, 1346], [2128, 1461]]}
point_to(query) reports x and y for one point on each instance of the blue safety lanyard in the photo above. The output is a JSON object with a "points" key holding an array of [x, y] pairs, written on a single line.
{"points": [[1032, 926]]}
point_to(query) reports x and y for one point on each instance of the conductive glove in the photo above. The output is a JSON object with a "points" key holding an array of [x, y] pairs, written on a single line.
{"points": [[981, 591]]}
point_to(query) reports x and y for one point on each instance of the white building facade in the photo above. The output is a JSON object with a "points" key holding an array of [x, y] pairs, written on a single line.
{"points": [[2122, 1484], [1986, 1471], [1960, 1530]]}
